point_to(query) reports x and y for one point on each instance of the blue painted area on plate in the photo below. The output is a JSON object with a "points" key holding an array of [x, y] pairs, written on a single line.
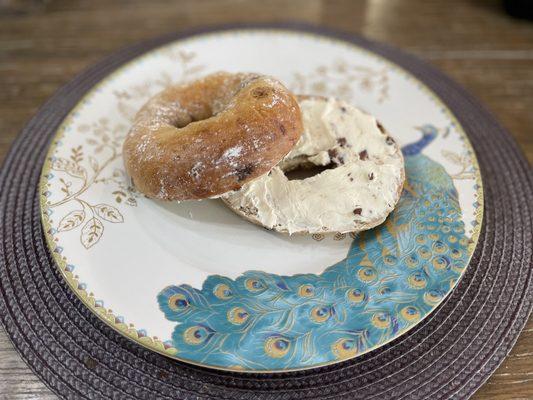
{"points": [[393, 276]]}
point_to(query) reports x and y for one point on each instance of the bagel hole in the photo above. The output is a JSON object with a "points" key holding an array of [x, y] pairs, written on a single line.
{"points": [[184, 118], [182, 123], [305, 171]]}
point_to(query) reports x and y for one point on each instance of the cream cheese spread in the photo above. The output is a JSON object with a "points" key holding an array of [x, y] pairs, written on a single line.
{"points": [[359, 190]]}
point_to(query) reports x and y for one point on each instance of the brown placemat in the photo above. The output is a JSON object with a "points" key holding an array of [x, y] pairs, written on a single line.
{"points": [[450, 354]]}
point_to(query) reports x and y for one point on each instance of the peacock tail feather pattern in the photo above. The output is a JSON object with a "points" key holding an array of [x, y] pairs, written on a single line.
{"points": [[392, 277]]}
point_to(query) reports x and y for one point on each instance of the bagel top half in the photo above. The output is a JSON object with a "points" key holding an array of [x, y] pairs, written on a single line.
{"points": [[359, 188], [211, 136]]}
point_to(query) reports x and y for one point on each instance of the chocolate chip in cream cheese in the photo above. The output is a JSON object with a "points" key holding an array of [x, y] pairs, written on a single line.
{"points": [[359, 187]]}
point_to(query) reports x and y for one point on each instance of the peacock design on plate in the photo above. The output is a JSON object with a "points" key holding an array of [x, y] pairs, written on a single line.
{"points": [[392, 277]]}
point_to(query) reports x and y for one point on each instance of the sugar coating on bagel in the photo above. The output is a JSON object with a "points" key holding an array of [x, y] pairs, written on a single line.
{"points": [[205, 138], [361, 187]]}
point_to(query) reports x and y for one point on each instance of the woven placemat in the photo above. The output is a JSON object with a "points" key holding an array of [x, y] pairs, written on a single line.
{"points": [[450, 354]]}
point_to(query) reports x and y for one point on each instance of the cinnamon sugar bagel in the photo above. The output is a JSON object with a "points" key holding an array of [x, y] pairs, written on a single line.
{"points": [[360, 186], [211, 136]]}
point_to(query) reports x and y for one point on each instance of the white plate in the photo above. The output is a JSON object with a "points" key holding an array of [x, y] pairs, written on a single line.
{"points": [[127, 256]]}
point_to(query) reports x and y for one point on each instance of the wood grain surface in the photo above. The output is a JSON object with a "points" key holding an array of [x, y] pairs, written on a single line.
{"points": [[43, 44]]}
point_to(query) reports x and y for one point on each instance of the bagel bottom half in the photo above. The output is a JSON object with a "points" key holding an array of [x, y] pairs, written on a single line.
{"points": [[360, 184]]}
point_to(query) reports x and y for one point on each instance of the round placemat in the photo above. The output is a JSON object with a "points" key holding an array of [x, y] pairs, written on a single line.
{"points": [[450, 354]]}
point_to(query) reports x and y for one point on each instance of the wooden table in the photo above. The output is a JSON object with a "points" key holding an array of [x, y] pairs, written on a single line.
{"points": [[43, 44]]}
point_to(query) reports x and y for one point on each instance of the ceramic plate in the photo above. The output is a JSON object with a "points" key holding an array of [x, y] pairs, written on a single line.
{"points": [[196, 282]]}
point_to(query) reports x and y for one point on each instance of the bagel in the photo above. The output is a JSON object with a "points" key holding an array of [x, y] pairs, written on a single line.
{"points": [[359, 189], [205, 138]]}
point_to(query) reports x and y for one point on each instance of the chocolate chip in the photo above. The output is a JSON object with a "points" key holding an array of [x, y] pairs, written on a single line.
{"points": [[351, 179], [380, 127], [244, 172], [260, 92], [282, 129], [343, 109], [332, 153], [389, 140], [371, 176], [363, 155], [341, 141], [335, 158], [358, 211]]}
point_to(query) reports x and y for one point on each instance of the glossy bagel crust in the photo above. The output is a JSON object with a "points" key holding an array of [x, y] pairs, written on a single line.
{"points": [[205, 138]]}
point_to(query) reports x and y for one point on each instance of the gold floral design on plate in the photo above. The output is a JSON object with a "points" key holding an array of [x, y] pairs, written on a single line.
{"points": [[186, 69], [341, 79], [80, 171], [463, 161], [88, 166]]}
